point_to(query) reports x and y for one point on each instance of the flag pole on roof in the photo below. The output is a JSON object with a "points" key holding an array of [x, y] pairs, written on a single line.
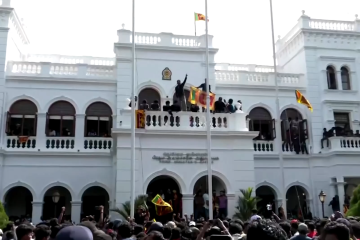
{"points": [[208, 118], [133, 106], [278, 117]]}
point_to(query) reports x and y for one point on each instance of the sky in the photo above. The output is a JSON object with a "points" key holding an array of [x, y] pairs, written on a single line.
{"points": [[241, 29]]}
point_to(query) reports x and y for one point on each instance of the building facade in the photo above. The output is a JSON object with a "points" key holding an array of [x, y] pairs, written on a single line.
{"points": [[65, 122]]}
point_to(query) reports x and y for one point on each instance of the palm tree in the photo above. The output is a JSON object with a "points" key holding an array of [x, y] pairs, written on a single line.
{"points": [[246, 203], [140, 201]]}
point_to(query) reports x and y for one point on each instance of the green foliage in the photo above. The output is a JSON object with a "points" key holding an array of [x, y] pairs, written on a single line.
{"points": [[246, 203], [140, 201], [3, 217], [354, 209]]}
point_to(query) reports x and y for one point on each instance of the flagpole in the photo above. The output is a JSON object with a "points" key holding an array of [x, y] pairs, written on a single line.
{"points": [[195, 24], [208, 119], [278, 118], [133, 106]]}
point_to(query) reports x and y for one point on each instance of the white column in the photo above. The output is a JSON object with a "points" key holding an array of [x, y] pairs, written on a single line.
{"points": [[76, 211], [188, 204], [40, 131], [338, 80], [340, 184], [79, 131], [37, 208], [231, 204], [278, 203]]}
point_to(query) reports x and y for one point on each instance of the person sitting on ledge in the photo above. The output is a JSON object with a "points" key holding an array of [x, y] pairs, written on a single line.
{"points": [[144, 105], [155, 106], [194, 108]]}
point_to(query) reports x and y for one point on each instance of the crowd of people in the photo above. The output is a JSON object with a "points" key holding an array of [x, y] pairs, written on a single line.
{"points": [[143, 227]]}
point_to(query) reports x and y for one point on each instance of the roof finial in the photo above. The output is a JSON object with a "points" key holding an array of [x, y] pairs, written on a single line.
{"points": [[356, 17], [279, 37], [303, 12], [123, 26]]}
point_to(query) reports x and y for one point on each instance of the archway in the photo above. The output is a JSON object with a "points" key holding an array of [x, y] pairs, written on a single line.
{"points": [[218, 197], [98, 120], [92, 198], [150, 95], [54, 199], [260, 120], [294, 130], [296, 202], [267, 196], [18, 203], [166, 187], [21, 119]]}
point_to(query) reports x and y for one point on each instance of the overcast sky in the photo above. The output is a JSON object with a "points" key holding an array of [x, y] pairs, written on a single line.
{"points": [[241, 28]]}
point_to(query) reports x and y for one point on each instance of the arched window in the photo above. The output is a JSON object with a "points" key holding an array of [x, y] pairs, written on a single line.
{"points": [[345, 78], [187, 106], [260, 120], [293, 125], [98, 121], [61, 120], [331, 77], [21, 119], [150, 96]]}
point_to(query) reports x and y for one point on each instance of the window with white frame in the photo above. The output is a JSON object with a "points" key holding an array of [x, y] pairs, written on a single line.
{"points": [[345, 78], [342, 119], [331, 77]]}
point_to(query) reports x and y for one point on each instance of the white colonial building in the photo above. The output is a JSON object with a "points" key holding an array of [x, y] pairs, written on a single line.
{"points": [[65, 122]]}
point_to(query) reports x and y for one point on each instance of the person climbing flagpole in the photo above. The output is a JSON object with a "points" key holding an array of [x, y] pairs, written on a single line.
{"points": [[133, 106], [208, 118], [278, 118]]}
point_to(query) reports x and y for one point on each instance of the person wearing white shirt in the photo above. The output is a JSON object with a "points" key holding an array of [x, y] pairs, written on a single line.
{"points": [[255, 216], [206, 204]]}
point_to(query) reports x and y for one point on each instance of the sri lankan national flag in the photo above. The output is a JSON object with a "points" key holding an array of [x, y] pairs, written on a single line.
{"points": [[161, 207], [198, 97], [302, 100], [200, 17]]}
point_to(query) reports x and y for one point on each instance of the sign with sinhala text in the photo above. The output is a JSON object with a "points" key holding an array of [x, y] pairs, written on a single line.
{"points": [[183, 158]]}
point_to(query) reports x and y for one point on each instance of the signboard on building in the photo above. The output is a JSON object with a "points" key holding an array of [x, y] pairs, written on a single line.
{"points": [[183, 158]]}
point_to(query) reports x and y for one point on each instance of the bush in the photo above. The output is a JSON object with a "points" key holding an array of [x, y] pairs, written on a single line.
{"points": [[125, 211], [354, 209], [3, 217], [246, 203]]}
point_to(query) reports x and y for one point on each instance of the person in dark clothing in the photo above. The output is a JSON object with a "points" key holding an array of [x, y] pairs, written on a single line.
{"points": [[179, 93], [230, 107], [194, 108], [219, 106], [167, 106], [203, 86], [335, 204], [175, 107], [144, 105], [155, 106]]}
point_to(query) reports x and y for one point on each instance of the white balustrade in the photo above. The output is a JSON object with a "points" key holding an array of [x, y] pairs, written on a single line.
{"points": [[332, 25], [185, 120], [96, 144], [20, 143], [259, 78], [263, 146], [64, 59], [60, 143], [164, 39], [348, 144], [243, 67], [44, 69]]}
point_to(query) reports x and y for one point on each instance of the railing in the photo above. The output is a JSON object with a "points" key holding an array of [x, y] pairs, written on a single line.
{"points": [[243, 67], [163, 39], [53, 58], [14, 142], [60, 143], [45, 69], [184, 120], [94, 144], [259, 78], [263, 146], [343, 144], [332, 25]]}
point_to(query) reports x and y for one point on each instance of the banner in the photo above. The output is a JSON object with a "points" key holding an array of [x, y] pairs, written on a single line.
{"points": [[198, 97], [140, 118]]}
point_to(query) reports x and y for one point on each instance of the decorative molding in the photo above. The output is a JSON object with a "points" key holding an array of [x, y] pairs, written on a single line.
{"points": [[17, 184], [39, 78], [164, 172], [334, 58]]}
